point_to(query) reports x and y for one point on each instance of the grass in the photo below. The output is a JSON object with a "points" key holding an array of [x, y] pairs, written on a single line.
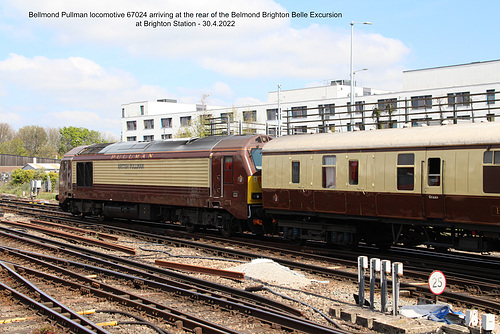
{"points": [[23, 190]]}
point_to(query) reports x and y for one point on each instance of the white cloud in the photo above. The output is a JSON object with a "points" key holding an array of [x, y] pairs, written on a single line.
{"points": [[87, 119], [253, 48], [73, 90]]}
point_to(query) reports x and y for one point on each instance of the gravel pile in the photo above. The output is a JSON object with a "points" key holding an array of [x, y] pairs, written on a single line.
{"points": [[268, 271]]}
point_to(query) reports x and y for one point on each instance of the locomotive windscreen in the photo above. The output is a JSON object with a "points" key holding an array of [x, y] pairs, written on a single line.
{"points": [[256, 154]]}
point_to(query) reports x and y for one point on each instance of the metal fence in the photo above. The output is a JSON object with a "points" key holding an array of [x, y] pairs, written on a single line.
{"points": [[19, 160], [385, 113]]}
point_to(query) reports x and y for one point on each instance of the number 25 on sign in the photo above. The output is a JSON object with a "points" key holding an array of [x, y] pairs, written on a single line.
{"points": [[437, 282]]}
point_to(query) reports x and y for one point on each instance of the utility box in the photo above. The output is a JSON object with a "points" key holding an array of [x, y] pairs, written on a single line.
{"points": [[471, 318], [488, 323]]}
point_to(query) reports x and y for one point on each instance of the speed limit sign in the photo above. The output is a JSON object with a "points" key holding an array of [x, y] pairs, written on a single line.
{"points": [[437, 282]]}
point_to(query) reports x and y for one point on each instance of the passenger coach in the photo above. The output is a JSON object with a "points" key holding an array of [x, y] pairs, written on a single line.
{"points": [[428, 185], [213, 181]]}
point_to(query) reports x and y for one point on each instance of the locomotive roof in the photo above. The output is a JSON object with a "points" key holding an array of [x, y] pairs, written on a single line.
{"points": [[171, 145], [430, 136]]}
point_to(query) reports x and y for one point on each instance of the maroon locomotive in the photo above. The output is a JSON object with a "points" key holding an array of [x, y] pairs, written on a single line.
{"points": [[213, 181]]}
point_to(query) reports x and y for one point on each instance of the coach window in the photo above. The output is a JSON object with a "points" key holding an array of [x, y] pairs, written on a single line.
{"points": [[491, 172], [434, 175], [329, 171], [228, 170], [406, 171], [295, 171], [353, 172]]}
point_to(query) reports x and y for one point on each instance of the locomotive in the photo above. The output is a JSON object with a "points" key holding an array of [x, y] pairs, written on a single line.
{"points": [[211, 182], [437, 186]]}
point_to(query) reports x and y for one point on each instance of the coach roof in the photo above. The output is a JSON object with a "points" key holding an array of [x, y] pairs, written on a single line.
{"points": [[429, 136]]}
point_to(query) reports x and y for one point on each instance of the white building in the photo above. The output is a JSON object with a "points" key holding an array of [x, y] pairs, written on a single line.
{"points": [[449, 94], [161, 119]]}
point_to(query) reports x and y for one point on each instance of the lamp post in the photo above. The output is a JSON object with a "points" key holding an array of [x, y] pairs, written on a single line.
{"points": [[279, 112], [352, 71]]}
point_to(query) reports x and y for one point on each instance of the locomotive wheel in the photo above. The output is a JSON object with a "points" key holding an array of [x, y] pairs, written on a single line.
{"points": [[191, 228], [227, 229]]}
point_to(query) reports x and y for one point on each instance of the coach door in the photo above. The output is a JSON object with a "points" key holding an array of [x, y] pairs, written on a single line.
{"points": [[301, 180], [432, 187]]}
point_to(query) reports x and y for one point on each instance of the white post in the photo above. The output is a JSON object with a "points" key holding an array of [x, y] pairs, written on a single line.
{"points": [[386, 270], [397, 271], [374, 268], [362, 266]]}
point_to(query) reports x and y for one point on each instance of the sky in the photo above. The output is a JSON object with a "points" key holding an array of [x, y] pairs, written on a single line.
{"points": [[67, 70]]}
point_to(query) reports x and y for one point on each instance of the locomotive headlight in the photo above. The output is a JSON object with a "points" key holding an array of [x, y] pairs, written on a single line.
{"points": [[256, 195]]}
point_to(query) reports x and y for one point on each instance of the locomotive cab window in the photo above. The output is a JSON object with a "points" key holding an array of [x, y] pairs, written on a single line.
{"points": [[256, 155], [228, 170], [491, 172], [84, 174], [295, 171], [434, 174], [406, 171], [353, 172], [329, 171]]}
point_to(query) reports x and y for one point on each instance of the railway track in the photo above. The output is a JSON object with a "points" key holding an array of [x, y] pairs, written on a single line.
{"points": [[270, 317], [463, 291]]}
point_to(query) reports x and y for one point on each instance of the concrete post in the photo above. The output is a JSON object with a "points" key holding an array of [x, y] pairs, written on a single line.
{"points": [[384, 295], [374, 268], [362, 266]]}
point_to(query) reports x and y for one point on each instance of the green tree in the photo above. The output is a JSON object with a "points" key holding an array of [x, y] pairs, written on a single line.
{"points": [[20, 176], [6, 132], [14, 146], [34, 137], [72, 137]]}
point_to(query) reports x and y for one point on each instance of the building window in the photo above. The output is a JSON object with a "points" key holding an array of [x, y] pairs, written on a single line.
{"points": [[461, 99], [149, 138], [166, 136], [387, 104], [406, 171], [272, 132], [250, 116], [434, 172], [299, 112], [272, 114], [149, 124], [131, 125], [228, 170], [186, 121], [133, 138], [329, 171], [326, 110], [226, 117], [299, 130], [295, 171], [166, 122], [353, 172], [359, 106], [421, 102], [142, 110], [490, 96], [123, 112]]}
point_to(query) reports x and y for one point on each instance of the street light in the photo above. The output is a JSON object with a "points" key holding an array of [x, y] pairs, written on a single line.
{"points": [[352, 71]]}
